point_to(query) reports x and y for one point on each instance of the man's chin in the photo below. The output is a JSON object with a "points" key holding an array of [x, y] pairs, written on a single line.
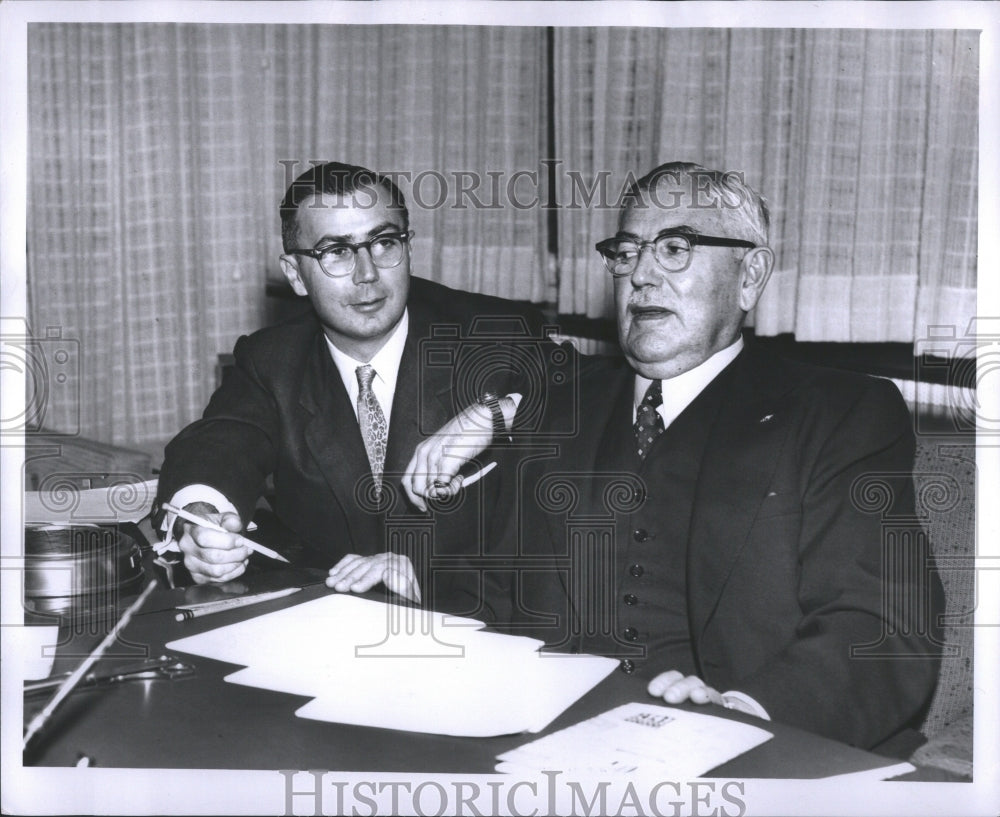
{"points": [[659, 364]]}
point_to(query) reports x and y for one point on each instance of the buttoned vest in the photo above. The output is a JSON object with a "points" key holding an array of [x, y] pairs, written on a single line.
{"points": [[649, 623]]}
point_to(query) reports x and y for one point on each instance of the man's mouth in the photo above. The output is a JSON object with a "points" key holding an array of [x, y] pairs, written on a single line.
{"points": [[368, 305], [648, 312]]}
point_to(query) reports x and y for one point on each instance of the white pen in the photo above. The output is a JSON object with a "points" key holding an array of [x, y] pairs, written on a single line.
{"points": [[205, 523], [478, 475], [444, 489]]}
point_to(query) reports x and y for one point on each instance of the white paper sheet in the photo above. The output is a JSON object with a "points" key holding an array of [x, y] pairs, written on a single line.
{"points": [[640, 741], [373, 664]]}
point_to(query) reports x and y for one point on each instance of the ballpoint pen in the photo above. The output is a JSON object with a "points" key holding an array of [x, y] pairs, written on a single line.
{"points": [[205, 523]]}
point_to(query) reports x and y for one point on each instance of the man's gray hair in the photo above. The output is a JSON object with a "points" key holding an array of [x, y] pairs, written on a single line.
{"points": [[711, 188]]}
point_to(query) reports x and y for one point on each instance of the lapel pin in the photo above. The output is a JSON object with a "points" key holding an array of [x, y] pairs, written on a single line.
{"points": [[766, 418]]}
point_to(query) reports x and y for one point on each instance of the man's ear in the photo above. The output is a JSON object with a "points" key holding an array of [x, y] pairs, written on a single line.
{"points": [[290, 268], [754, 273]]}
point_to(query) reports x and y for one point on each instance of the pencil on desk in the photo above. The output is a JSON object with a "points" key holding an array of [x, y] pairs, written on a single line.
{"points": [[209, 607], [205, 523]]}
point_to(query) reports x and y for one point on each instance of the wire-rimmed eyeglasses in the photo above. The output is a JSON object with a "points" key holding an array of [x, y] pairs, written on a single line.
{"points": [[339, 258], [672, 249]]}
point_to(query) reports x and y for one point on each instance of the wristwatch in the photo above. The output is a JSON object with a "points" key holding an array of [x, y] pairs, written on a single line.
{"points": [[491, 400]]}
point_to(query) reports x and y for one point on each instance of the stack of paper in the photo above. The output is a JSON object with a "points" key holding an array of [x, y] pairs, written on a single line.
{"points": [[373, 664], [642, 741]]}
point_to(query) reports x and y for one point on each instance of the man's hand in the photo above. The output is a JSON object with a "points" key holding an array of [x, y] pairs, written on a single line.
{"points": [[210, 556], [431, 472], [675, 688], [356, 574]]}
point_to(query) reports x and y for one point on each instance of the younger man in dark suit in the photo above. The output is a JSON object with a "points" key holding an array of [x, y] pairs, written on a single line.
{"points": [[331, 406]]}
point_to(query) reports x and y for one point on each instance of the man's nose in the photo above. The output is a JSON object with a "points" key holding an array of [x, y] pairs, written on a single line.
{"points": [[647, 271], [365, 270]]}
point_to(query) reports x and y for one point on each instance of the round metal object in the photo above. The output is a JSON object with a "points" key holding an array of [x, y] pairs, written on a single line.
{"points": [[85, 567]]}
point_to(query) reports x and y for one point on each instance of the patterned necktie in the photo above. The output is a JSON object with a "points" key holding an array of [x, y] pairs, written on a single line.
{"points": [[648, 422], [374, 429]]}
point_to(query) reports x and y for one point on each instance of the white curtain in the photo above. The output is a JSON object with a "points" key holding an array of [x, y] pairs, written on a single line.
{"points": [[863, 142], [145, 232], [158, 155]]}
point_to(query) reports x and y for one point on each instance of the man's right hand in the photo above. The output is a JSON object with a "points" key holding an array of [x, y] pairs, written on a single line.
{"points": [[210, 556]]}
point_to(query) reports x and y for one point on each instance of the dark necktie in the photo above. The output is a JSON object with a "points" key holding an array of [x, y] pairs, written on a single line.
{"points": [[648, 422], [374, 429]]}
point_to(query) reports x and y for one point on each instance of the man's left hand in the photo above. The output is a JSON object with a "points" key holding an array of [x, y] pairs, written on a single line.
{"points": [[674, 687], [358, 574], [431, 472]]}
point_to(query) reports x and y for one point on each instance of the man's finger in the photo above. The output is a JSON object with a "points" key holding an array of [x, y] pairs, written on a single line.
{"points": [[663, 681], [408, 488], [705, 695], [411, 477], [205, 572], [231, 522], [681, 690], [345, 561], [362, 575], [402, 583], [216, 550]]}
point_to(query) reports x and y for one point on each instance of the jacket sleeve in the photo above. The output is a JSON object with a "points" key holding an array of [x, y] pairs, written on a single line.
{"points": [[232, 447], [865, 654]]}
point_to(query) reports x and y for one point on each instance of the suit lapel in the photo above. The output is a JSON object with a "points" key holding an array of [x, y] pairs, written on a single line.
{"points": [[423, 400], [334, 440], [740, 458]]}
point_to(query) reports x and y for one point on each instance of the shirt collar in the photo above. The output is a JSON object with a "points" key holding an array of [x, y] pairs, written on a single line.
{"points": [[679, 391], [385, 361]]}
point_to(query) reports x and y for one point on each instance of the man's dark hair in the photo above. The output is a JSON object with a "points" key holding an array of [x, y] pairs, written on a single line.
{"points": [[335, 179]]}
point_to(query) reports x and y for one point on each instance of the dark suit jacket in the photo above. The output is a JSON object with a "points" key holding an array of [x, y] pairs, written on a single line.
{"points": [[808, 583], [282, 412]]}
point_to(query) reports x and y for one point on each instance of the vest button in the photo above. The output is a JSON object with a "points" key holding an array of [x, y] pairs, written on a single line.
{"points": [[636, 570], [631, 634], [628, 666], [631, 599], [640, 535]]}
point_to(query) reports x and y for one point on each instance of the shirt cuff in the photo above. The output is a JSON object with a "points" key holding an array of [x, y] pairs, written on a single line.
{"points": [[509, 405], [743, 698], [185, 496]]}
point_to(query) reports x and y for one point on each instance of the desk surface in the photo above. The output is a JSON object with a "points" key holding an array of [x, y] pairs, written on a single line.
{"points": [[203, 722]]}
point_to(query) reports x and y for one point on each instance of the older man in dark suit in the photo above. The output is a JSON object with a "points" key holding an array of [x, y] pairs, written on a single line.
{"points": [[711, 522], [331, 406]]}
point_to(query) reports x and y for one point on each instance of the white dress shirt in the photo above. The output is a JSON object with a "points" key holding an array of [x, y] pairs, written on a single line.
{"points": [[386, 364], [679, 392]]}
